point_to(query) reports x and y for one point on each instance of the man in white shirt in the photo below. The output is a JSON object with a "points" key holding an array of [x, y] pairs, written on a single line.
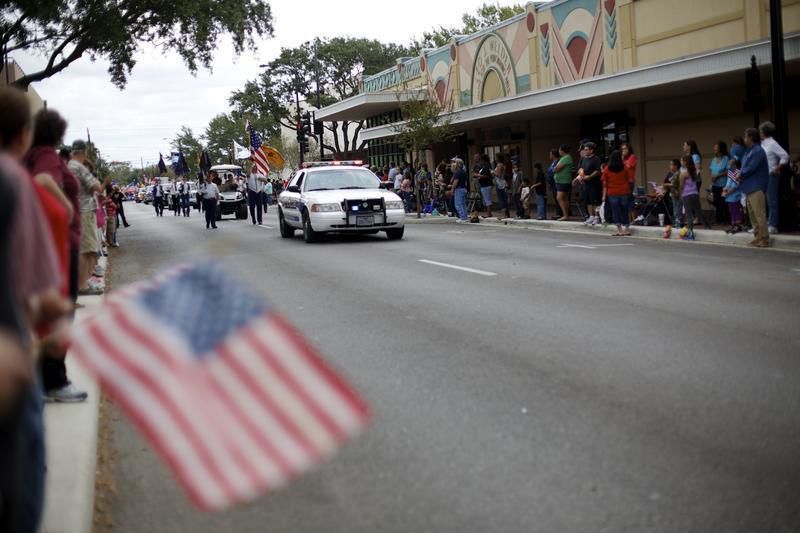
{"points": [[158, 197], [183, 195], [210, 197], [777, 159], [255, 187]]}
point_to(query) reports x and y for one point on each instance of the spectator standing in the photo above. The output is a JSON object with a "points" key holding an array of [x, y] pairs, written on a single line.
{"points": [[393, 171], [719, 177], [459, 189], [482, 172], [562, 173], [733, 198], [119, 200], [778, 161], [672, 187], [754, 183], [110, 209], [501, 185], [551, 180], [690, 149], [90, 242], [589, 174], [616, 180], [540, 190], [267, 195], [738, 149], [690, 194]]}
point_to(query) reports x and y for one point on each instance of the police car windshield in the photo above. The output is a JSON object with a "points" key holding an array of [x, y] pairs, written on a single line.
{"points": [[341, 178]]}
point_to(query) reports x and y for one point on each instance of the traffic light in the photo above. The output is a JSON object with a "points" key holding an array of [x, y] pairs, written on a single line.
{"points": [[307, 122]]}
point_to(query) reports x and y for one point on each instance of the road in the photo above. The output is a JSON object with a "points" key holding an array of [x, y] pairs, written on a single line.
{"points": [[560, 385]]}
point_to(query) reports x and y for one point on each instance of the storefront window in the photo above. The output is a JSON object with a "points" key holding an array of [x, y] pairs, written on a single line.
{"points": [[608, 131]]}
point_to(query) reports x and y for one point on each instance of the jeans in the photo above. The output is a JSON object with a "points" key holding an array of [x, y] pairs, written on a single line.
{"points": [[461, 203], [541, 206], [502, 197], [773, 199], [677, 211], [486, 194], [185, 205], [619, 209], [254, 201], [267, 202]]}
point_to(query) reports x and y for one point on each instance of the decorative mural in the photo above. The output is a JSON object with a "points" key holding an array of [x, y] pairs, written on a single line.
{"points": [[545, 49], [611, 23], [438, 67], [578, 40]]}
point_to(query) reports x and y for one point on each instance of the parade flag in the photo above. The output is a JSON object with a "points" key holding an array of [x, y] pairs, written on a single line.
{"points": [[256, 152], [230, 395], [162, 167], [240, 151]]}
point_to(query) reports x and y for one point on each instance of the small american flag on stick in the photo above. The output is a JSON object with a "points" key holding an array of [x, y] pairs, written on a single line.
{"points": [[229, 394], [256, 151]]}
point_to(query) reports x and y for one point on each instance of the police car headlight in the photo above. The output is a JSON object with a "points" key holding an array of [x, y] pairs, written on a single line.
{"points": [[325, 208], [394, 205], [239, 196]]}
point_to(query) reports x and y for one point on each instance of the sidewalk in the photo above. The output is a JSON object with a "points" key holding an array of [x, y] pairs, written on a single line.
{"points": [[71, 440], [778, 242]]}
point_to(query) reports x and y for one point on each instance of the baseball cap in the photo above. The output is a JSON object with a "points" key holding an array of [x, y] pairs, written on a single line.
{"points": [[78, 145]]}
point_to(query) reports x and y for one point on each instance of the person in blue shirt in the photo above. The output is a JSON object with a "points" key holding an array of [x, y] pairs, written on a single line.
{"points": [[733, 197], [719, 177], [753, 184]]}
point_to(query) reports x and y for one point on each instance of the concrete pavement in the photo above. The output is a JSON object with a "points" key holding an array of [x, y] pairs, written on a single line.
{"points": [[521, 381]]}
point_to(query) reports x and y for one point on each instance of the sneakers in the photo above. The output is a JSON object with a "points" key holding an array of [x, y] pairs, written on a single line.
{"points": [[115, 245], [90, 291], [99, 271], [773, 230], [460, 221], [594, 220], [69, 393]]}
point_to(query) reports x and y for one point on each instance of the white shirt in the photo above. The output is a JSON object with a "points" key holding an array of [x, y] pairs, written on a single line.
{"points": [[211, 192], [183, 185], [268, 188], [776, 155], [253, 182]]}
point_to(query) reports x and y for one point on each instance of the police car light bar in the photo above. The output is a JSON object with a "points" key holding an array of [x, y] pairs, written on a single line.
{"points": [[312, 164]]}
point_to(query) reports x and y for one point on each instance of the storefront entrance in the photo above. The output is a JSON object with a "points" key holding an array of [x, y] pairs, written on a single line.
{"points": [[608, 131]]}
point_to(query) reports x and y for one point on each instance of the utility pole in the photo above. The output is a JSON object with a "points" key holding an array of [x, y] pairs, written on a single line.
{"points": [[298, 122], [321, 132], [778, 73]]}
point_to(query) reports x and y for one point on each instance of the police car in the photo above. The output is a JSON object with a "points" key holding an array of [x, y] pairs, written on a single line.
{"points": [[338, 197]]}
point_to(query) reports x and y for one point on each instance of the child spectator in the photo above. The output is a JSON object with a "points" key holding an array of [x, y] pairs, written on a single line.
{"points": [[540, 189], [111, 218], [525, 196], [733, 197]]}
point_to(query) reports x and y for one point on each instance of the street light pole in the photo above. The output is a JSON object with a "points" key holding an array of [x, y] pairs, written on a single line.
{"points": [[316, 73], [778, 73]]}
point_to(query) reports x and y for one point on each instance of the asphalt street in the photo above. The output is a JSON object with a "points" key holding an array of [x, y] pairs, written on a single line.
{"points": [[521, 381]]}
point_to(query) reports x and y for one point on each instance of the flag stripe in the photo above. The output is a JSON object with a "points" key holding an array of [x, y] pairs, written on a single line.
{"points": [[147, 412], [232, 474], [254, 387], [285, 394]]}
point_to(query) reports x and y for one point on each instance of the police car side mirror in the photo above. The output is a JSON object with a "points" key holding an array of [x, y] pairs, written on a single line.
{"points": [[293, 188]]}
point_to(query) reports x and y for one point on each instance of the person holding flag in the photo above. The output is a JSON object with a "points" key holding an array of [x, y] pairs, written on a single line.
{"points": [[258, 175]]}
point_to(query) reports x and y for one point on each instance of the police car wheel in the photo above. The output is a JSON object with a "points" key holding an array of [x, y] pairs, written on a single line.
{"points": [[287, 232], [309, 235], [395, 234]]}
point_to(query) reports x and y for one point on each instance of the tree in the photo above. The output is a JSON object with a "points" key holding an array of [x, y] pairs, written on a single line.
{"points": [[329, 68], [219, 135], [66, 30], [187, 143], [485, 16]]}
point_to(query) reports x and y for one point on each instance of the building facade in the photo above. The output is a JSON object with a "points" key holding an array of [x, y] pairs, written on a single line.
{"points": [[649, 72], [11, 73]]}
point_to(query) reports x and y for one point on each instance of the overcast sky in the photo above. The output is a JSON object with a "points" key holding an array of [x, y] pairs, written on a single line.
{"points": [[161, 95]]}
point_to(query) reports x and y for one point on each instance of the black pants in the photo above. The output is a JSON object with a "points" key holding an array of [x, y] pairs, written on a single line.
{"points": [[175, 205], [721, 209], [121, 214], [255, 201], [518, 204], [210, 207], [158, 203]]}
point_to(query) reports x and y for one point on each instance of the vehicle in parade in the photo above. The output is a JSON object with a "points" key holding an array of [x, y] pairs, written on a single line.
{"points": [[141, 194], [231, 202], [338, 197]]}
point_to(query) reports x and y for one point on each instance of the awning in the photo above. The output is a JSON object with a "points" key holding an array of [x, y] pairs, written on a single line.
{"points": [[367, 105], [718, 69]]}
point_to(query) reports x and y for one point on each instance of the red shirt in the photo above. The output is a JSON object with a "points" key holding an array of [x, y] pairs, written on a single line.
{"points": [[45, 160], [111, 207], [617, 183]]}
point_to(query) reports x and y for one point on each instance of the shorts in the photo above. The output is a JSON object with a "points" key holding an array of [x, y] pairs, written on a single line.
{"points": [[90, 242], [564, 187], [486, 193], [592, 192]]}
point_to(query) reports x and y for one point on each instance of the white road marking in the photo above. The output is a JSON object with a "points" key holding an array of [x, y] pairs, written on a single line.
{"points": [[472, 231], [591, 247], [262, 226], [456, 267]]}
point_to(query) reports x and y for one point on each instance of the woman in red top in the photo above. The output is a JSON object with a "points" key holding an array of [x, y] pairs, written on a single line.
{"points": [[630, 160], [617, 182]]}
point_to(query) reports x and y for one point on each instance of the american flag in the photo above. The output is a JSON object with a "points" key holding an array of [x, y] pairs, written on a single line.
{"points": [[256, 152], [231, 396]]}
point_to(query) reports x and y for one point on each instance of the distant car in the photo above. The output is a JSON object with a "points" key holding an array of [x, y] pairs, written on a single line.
{"points": [[338, 197], [140, 194], [230, 202]]}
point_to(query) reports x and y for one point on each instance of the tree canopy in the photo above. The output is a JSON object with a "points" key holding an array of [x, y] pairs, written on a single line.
{"points": [[66, 30], [485, 16]]}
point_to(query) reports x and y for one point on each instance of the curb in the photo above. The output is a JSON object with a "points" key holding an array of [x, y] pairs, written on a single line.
{"points": [[71, 444], [777, 242]]}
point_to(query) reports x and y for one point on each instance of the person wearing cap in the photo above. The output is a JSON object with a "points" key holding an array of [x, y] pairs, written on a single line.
{"points": [[89, 186], [459, 189]]}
